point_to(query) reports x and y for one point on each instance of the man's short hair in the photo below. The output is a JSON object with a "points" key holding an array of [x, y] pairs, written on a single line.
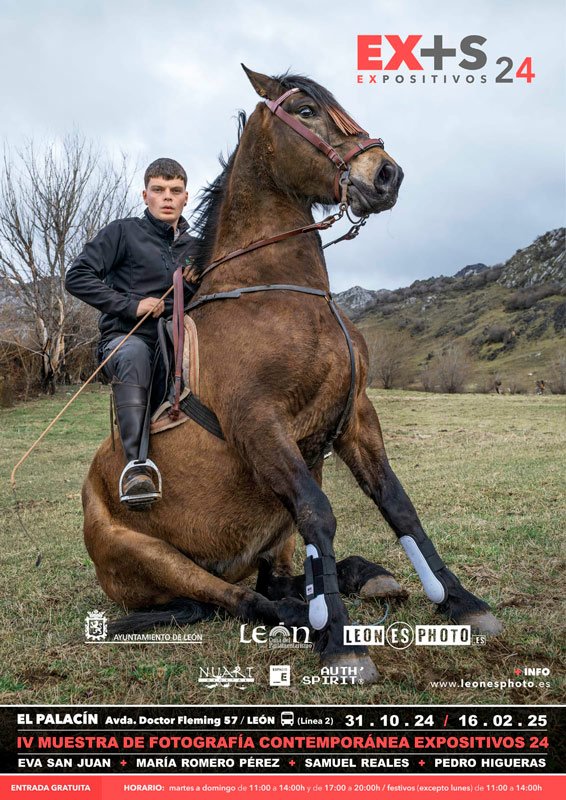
{"points": [[164, 168]]}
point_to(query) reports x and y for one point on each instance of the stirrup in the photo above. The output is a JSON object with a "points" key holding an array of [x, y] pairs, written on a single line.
{"points": [[140, 499]]}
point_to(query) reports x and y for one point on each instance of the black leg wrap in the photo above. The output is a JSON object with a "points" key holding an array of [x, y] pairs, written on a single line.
{"points": [[320, 576], [321, 589]]}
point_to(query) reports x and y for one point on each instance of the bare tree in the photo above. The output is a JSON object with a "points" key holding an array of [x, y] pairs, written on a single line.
{"points": [[53, 198], [387, 357]]}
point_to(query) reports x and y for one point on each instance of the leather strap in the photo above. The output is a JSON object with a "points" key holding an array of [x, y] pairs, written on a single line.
{"points": [[202, 415], [235, 293], [302, 130], [361, 148], [327, 222], [178, 338]]}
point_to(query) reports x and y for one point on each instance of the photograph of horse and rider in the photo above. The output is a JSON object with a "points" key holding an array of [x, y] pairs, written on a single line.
{"points": [[246, 479]]}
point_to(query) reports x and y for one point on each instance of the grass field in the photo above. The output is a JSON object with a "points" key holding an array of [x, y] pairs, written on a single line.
{"points": [[485, 473]]}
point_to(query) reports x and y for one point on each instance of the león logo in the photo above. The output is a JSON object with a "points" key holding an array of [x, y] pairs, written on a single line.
{"points": [[277, 638]]}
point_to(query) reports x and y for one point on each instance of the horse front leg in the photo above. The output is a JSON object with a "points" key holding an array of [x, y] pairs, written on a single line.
{"points": [[361, 448], [277, 461]]}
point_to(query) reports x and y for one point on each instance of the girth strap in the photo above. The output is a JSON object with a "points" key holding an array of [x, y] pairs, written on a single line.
{"points": [[202, 415]]}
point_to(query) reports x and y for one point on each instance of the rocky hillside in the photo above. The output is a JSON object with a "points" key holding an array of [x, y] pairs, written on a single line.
{"points": [[509, 318]]}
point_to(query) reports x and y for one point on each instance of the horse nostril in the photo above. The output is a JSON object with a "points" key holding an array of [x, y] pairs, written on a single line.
{"points": [[385, 177]]}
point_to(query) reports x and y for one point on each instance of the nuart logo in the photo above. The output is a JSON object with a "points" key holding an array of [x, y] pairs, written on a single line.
{"points": [[410, 59], [277, 638], [96, 626], [212, 677]]}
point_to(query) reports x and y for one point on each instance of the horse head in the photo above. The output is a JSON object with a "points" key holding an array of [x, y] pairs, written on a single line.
{"points": [[332, 159]]}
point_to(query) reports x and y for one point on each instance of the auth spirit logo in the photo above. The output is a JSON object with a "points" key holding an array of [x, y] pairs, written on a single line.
{"points": [[380, 56]]}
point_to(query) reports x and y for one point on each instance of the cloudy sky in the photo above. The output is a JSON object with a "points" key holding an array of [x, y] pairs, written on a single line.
{"points": [[484, 163]]}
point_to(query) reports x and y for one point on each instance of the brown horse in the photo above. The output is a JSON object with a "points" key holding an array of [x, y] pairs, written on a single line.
{"points": [[276, 369]]}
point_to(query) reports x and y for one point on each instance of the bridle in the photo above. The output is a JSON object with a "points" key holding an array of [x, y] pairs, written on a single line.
{"points": [[192, 405], [340, 184], [343, 170]]}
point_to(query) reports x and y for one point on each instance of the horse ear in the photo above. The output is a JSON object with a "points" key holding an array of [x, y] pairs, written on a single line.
{"points": [[263, 84]]}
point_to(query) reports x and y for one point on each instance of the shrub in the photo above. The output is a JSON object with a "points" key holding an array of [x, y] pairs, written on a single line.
{"points": [[387, 355], [557, 380], [525, 298], [449, 373]]}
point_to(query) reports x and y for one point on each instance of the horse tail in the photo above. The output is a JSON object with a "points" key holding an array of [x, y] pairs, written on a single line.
{"points": [[178, 612]]}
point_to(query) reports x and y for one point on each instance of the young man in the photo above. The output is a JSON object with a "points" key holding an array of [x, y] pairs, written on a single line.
{"points": [[123, 272]]}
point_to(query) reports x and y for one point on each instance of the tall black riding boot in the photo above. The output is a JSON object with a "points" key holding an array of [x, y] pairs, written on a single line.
{"points": [[137, 487]]}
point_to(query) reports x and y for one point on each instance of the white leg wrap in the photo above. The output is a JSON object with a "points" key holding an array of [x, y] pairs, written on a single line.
{"points": [[433, 587], [318, 610]]}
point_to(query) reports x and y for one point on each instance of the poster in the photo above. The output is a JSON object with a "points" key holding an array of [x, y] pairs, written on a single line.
{"points": [[468, 100]]}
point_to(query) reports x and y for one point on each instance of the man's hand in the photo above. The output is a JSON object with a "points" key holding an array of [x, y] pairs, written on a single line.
{"points": [[153, 304], [189, 274]]}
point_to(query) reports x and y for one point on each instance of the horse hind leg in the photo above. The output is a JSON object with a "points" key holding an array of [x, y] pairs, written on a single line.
{"points": [[356, 576], [361, 448], [139, 571]]}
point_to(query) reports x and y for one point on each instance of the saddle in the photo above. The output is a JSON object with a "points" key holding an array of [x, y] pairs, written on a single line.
{"points": [[161, 418], [175, 381]]}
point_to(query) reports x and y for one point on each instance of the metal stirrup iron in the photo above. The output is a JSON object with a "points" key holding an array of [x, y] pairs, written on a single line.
{"points": [[147, 497]]}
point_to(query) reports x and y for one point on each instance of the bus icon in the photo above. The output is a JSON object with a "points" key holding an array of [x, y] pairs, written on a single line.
{"points": [[287, 718]]}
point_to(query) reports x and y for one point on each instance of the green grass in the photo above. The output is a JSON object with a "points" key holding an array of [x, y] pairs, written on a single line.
{"points": [[484, 471]]}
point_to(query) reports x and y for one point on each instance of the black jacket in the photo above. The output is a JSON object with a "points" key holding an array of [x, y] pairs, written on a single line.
{"points": [[126, 261]]}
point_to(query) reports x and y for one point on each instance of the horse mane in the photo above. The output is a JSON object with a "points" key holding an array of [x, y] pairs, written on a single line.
{"points": [[205, 217], [206, 214]]}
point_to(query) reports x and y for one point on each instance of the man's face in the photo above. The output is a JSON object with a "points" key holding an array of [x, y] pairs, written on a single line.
{"points": [[166, 198]]}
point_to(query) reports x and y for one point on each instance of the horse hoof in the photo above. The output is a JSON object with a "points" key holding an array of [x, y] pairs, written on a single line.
{"points": [[383, 586], [343, 665], [482, 622]]}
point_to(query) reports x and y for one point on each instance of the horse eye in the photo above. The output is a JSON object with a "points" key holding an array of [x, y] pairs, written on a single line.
{"points": [[306, 111]]}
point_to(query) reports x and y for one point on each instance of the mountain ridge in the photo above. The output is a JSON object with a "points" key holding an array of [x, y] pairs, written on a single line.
{"points": [[509, 319]]}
